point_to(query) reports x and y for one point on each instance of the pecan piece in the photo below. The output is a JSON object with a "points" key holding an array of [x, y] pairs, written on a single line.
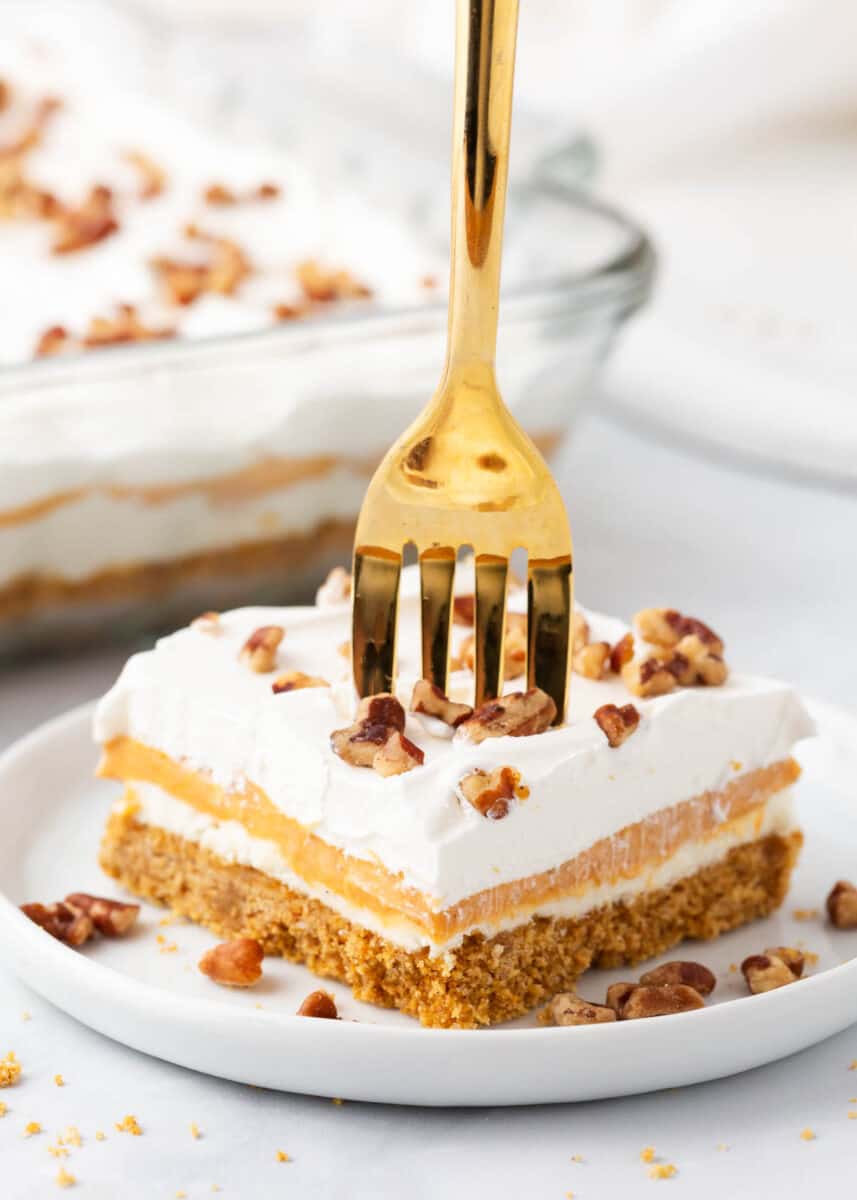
{"points": [[464, 610], [398, 755], [153, 177], [666, 627], [125, 326], [569, 1009], [94, 220], [52, 341], [842, 905], [692, 662], [617, 724], [579, 630], [207, 622], [622, 653], [693, 974], [336, 589], [427, 698], [518, 714], [794, 959], [764, 972], [648, 677], [234, 964], [322, 285], [259, 652], [294, 681], [649, 1000], [319, 1004], [382, 709], [492, 795], [113, 918], [378, 718], [514, 648], [591, 661], [62, 921], [617, 994]]}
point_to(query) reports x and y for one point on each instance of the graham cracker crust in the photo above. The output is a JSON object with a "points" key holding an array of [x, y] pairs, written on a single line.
{"points": [[485, 980]]}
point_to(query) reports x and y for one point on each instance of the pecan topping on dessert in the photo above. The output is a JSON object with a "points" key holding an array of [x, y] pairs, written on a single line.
{"points": [[322, 286], [382, 709], [666, 627], [622, 653], [692, 662], [794, 959], [514, 648], [429, 699], [693, 974], [294, 681], [336, 589], [94, 220], [592, 660], [617, 724], [219, 195], [153, 178], [185, 282], [842, 905], [764, 972], [260, 650], [569, 1009], [464, 610], [52, 341], [112, 918], [661, 1000], [648, 677], [398, 755], [125, 326], [62, 921], [492, 795], [207, 622], [618, 993], [234, 964], [319, 1004], [579, 630], [518, 714]]}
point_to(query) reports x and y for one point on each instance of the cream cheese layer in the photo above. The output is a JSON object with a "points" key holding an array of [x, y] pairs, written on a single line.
{"points": [[194, 700]]}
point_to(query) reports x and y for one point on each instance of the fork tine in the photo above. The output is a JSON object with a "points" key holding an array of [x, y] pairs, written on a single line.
{"points": [[373, 628], [490, 619], [437, 572], [548, 628]]}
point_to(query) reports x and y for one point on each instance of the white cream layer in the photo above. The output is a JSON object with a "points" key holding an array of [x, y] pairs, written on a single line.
{"points": [[194, 700], [99, 531], [231, 842]]}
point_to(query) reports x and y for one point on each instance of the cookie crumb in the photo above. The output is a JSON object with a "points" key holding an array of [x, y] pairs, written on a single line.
{"points": [[129, 1125], [59, 1081], [282, 1156], [26, 1016], [577, 1158], [647, 1154], [10, 1070], [71, 1137], [805, 914], [807, 1135], [722, 1146], [3, 1109], [852, 1065], [65, 1179], [100, 1135], [336, 1100], [852, 1115], [195, 1131], [663, 1171], [32, 1127]]}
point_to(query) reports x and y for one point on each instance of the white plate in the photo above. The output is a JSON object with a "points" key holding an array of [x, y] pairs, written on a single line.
{"points": [[152, 998]]}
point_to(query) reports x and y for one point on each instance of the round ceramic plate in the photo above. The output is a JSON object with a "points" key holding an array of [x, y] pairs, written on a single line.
{"points": [[145, 990]]}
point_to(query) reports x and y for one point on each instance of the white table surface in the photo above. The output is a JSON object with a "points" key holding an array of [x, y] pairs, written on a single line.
{"points": [[772, 565]]}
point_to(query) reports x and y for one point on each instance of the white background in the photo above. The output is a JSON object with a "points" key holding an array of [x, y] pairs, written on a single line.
{"points": [[771, 564]]}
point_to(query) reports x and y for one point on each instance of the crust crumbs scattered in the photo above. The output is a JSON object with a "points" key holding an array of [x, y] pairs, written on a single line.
{"points": [[26, 1015], [58, 1151], [3, 1109], [59, 1081], [180, 1195], [807, 1135], [853, 1065], [65, 1179], [165, 946], [577, 1158], [805, 914], [71, 1137], [852, 1116], [100, 1135], [129, 1125], [195, 1131], [336, 1100], [663, 1171], [282, 1156], [10, 1070], [31, 1127], [647, 1154], [722, 1146]]}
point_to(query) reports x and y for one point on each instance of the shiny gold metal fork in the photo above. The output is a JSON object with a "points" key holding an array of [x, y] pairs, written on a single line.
{"points": [[465, 473]]}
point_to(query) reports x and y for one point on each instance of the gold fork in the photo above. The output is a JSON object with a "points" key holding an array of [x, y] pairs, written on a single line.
{"points": [[465, 473]]}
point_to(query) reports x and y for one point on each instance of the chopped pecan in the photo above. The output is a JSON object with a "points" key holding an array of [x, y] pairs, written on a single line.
{"points": [[514, 648], [398, 755], [622, 653], [288, 312], [591, 661], [429, 699], [62, 921], [464, 610], [207, 622], [518, 714], [153, 177], [336, 589], [184, 282], [113, 918], [259, 652], [692, 662], [382, 709], [124, 326], [648, 677], [220, 195], [617, 724], [321, 285], [764, 972], [378, 719], [569, 1009], [618, 993], [649, 1000], [94, 220], [794, 959], [492, 795], [266, 191], [693, 974], [319, 1004], [52, 341], [234, 964], [294, 681], [666, 627], [579, 630], [842, 905]]}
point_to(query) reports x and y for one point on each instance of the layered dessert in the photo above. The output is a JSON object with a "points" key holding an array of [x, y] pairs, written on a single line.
{"points": [[461, 866]]}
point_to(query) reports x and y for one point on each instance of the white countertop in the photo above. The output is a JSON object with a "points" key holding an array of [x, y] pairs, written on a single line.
{"points": [[771, 565]]}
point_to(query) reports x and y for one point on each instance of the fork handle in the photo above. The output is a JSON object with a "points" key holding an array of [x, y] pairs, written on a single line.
{"points": [[484, 71]]}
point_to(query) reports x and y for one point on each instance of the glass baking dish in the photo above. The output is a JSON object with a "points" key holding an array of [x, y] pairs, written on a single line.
{"points": [[145, 483]]}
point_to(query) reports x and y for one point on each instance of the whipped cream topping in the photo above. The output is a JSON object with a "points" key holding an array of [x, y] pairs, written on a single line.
{"points": [[194, 700]]}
